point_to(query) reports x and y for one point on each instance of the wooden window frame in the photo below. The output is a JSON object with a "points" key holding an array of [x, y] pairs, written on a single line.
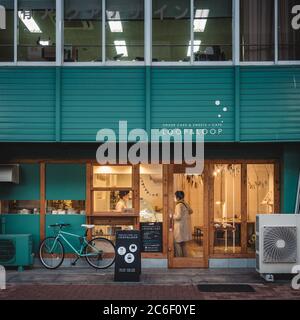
{"points": [[244, 214]]}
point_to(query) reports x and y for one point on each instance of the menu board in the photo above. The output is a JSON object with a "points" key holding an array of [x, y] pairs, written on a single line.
{"points": [[151, 234]]}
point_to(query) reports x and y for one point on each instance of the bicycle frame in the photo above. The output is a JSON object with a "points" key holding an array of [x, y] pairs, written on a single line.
{"points": [[85, 243]]}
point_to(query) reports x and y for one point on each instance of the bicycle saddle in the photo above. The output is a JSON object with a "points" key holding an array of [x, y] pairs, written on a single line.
{"points": [[88, 226]]}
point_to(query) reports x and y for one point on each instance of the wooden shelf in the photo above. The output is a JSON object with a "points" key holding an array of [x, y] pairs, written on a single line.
{"points": [[114, 215]]}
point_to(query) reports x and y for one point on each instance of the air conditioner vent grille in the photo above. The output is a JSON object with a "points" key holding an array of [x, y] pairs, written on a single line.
{"points": [[7, 250], [280, 244]]}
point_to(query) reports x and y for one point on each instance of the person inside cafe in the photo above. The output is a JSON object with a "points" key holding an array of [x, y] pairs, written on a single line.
{"points": [[182, 224], [123, 202]]}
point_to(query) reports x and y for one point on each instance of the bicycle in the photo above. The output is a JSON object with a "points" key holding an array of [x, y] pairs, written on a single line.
{"points": [[98, 252]]}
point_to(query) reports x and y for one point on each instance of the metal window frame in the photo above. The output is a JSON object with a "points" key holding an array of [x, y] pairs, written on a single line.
{"points": [[148, 42]]}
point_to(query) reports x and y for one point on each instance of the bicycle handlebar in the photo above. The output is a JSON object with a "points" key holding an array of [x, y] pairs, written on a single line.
{"points": [[59, 225]]}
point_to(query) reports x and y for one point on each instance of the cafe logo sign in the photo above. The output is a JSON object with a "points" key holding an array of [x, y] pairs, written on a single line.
{"points": [[2, 18], [296, 18]]}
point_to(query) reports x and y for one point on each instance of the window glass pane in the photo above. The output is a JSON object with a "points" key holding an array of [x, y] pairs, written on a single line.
{"points": [[20, 206], [289, 30], [7, 31], [188, 225], [36, 20], [212, 30], [260, 196], [112, 176], [109, 231], [227, 208], [66, 206], [125, 30], [82, 30], [151, 193], [171, 30], [108, 201], [257, 30]]}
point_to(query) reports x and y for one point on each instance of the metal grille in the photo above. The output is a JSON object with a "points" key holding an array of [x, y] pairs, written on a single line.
{"points": [[7, 250], [280, 244]]}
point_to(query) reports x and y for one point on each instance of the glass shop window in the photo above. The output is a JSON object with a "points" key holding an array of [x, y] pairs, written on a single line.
{"points": [[151, 193], [227, 208], [289, 30], [257, 30], [212, 30], [109, 231], [171, 36], [7, 31], [260, 196], [124, 30], [36, 30], [112, 189], [82, 30], [65, 206], [20, 206]]}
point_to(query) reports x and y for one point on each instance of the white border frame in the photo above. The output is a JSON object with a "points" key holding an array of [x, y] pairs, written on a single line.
{"points": [[148, 42]]}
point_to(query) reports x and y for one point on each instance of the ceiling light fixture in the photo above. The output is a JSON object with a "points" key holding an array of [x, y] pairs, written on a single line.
{"points": [[200, 20], [195, 48], [121, 47], [29, 22], [114, 21]]}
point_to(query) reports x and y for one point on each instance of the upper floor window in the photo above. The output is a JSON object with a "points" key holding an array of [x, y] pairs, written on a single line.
{"points": [[212, 30], [82, 30], [257, 30], [36, 30], [7, 31], [171, 37], [289, 30], [124, 30]]}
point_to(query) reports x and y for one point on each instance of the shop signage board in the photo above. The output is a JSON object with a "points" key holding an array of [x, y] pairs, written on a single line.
{"points": [[151, 234], [128, 255]]}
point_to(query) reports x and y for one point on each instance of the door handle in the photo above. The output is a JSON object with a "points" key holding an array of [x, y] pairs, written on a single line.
{"points": [[170, 222]]}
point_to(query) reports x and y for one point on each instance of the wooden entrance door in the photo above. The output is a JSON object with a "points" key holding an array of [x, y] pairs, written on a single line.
{"points": [[193, 253]]}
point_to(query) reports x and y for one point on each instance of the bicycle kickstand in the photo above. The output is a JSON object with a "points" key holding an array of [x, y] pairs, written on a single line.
{"points": [[73, 263]]}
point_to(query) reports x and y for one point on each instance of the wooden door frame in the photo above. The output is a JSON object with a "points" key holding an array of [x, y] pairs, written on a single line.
{"points": [[186, 262]]}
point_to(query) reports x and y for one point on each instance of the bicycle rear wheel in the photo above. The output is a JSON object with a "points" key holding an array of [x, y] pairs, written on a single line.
{"points": [[51, 253], [100, 253]]}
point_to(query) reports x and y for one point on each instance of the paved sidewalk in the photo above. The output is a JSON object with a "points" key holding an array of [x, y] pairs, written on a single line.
{"points": [[88, 284]]}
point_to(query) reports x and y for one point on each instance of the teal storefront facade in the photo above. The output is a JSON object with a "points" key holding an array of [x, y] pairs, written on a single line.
{"points": [[227, 69], [50, 116]]}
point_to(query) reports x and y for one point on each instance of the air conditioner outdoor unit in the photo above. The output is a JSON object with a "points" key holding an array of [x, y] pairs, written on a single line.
{"points": [[16, 250], [277, 244]]}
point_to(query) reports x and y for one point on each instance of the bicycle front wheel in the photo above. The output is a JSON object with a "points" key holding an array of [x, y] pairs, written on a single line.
{"points": [[51, 253], [100, 253]]}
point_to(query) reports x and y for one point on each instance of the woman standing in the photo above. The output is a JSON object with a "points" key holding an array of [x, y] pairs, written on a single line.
{"points": [[182, 224]]}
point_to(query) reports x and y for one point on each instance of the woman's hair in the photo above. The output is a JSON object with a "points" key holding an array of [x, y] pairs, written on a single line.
{"points": [[179, 195], [123, 193]]}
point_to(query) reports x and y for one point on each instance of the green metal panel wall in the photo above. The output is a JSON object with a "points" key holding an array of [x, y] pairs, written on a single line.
{"points": [[27, 104], [65, 181], [23, 224], [27, 189], [96, 98], [74, 220], [270, 103], [188, 96], [291, 170], [73, 103]]}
